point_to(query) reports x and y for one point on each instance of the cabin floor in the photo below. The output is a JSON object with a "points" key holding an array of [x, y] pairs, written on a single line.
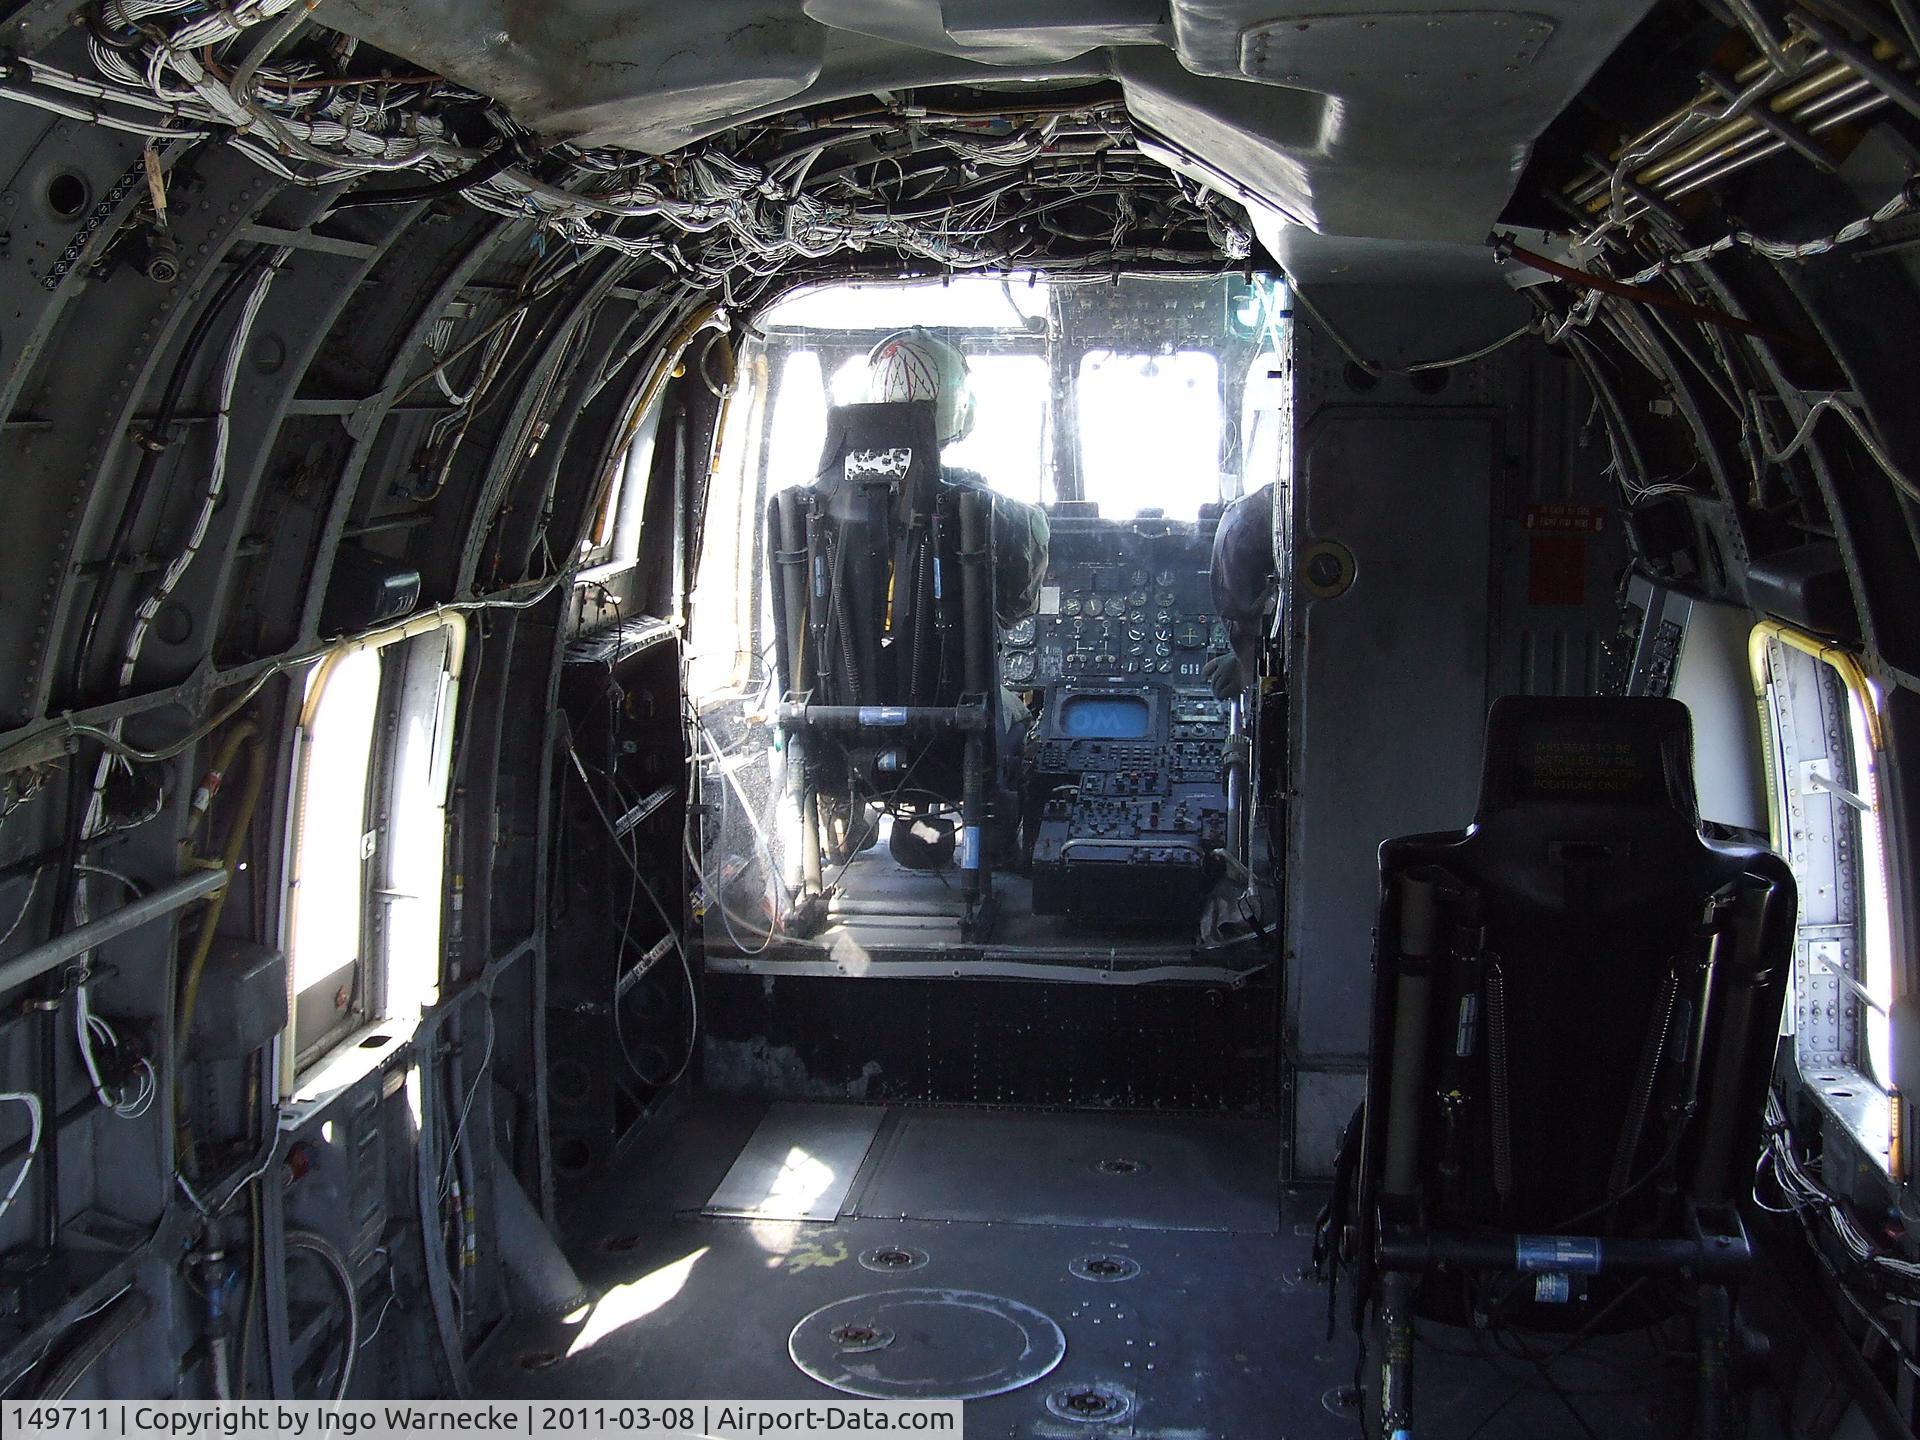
{"points": [[1217, 1333]]}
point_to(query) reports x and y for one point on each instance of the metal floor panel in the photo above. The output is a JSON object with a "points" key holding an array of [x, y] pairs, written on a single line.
{"points": [[799, 1163], [1211, 1336], [1125, 1172]]}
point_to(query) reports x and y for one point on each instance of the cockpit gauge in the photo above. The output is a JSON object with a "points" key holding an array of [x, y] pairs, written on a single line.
{"points": [[1164, 579], [1218, 636], [1136, 633], [1137, 598], [1095, 605], [1190, 635], [1139, 577], [1017, 668], [1070, 605], [1164, 596], [1021, 632]]}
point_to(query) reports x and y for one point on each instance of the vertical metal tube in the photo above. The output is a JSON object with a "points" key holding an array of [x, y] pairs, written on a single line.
{"points": [[809, 830], [1413, 1002], [976, 588], [1712, 1401], [797, 669], [976, 611], [1237, 785], [1396, 1355], [1719, 1168]]}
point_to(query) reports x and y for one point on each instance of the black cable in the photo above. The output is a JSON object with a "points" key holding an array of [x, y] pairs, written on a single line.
{"points": [[673, 930], [478, 173]]}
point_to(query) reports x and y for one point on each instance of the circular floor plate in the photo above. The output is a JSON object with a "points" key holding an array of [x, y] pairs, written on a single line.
{"points": [[943, 1345]]}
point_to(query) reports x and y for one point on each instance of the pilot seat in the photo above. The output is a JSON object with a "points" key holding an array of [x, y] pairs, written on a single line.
{"points": [[884, 648]]}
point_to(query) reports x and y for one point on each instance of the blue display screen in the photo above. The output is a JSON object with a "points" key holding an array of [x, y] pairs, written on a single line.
{"points": [[1105, 717]]}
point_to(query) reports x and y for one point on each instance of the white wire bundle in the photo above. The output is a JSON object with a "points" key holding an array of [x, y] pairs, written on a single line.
{"points": [[300, 120], [760, 827], [90, 1030], [158, 83], [1804, 1195], [216, 471], [34, 1120], [1902, 202], [1862, 432], [26, 904], [134, 1096]]}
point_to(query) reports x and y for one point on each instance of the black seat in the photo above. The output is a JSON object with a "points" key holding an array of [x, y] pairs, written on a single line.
{"points": [[883, 617], [1575, 1005]]}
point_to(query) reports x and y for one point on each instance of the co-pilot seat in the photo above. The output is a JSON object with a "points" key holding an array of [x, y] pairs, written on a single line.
{"points": [[1575, 1006], [882, 582]]}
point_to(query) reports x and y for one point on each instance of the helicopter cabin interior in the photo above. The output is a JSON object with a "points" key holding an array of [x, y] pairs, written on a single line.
{"points": [[562, 835]]}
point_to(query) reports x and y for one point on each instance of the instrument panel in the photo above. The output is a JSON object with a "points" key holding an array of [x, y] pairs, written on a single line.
{"points": [[1124, 822], [1118, 601], [1125, 796]]}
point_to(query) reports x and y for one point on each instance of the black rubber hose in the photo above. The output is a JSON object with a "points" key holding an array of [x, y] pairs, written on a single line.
{"points": [[479, 172]]}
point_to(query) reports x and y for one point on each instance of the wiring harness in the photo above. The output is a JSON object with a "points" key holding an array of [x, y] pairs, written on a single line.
{"points": [[954, 189]]}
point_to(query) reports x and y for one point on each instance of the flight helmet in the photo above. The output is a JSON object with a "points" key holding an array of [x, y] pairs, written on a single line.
{"points": [[916, 364]]}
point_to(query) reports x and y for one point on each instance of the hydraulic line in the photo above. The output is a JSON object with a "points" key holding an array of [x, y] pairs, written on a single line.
{"points": [[246, 734]]}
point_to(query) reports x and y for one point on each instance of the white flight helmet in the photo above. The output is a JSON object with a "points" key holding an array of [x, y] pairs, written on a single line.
{"points": [[918, 365]]}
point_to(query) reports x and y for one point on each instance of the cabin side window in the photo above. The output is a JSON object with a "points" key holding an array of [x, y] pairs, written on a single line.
{"points": [[366, 869], [611, 543], [1823, 792]]}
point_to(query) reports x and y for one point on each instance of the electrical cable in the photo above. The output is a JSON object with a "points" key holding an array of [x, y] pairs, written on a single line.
{"points": [[473, 1089], [199, 732], [158, 60], [1666, 300], [1904, 483], [35, 1119], [157, 438], [26, 905], [673, 930], [177, 568], [481, 171], [318, 1244], [131, 1308], [1377, 368]]}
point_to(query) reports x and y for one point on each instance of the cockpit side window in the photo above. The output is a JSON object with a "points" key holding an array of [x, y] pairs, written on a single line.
{"points": [[1823, 756]]}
